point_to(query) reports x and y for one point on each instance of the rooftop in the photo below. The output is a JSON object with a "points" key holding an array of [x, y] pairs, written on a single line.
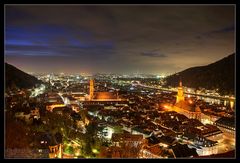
{"points": [[226, 121], [180, 150], [126, 137]]}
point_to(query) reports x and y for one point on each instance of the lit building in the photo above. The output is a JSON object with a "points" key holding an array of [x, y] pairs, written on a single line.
{"points": [[54, 101], [80, 96], [189, 110], [208, 131], [232, 104], [102, 97], [91, 89], [52, 106], [105, 95], [186, 108], [180, 95]]}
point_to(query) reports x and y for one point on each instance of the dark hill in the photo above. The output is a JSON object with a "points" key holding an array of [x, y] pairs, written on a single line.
{"points": [[17, 78], [219, 75]]}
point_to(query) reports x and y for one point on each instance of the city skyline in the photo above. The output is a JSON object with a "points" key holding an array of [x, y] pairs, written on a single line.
{"points": [[119, 81], [159, 39]]}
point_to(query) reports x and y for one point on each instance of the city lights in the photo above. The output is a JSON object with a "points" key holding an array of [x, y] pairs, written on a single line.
{"points": [[127, 82]]}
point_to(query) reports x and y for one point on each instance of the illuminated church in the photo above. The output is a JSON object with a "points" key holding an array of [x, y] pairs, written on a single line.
{"points": [[102, 97], [180, 96], [186, 108]]}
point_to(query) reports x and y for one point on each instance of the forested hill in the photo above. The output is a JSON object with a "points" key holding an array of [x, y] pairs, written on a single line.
{"points": [[220, 74], [17, 78]]}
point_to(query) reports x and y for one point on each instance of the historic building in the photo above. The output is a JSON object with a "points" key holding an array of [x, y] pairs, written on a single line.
{"points": [[187, 108], [180, 95], [102, 97], [91, 89]]}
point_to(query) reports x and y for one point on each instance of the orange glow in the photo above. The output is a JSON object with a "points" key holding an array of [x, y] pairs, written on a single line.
{"points": [[167, 107], [190, 101], [91, 89], [51, 107]]}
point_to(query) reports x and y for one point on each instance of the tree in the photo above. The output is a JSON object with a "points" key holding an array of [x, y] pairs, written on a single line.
{"points": [[16, 137], [69, 150]]}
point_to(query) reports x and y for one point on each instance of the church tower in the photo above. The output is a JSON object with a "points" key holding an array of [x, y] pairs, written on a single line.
{"points": [[180, 96], [91, 89]]}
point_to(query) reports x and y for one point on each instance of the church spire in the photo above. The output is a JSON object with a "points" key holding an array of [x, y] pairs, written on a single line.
{"points": [[180, 95], [180, 83], [91, 89]]}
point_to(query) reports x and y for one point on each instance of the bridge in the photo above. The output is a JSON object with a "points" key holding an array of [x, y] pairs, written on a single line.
{"points": [[195, 94]]}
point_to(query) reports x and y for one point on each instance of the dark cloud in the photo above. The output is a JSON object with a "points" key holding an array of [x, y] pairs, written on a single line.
{"points": [[153, 54], [115, 37], [223, 30]]}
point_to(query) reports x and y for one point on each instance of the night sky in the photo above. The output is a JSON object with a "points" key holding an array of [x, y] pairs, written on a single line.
{"points": [[156, 39]]}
